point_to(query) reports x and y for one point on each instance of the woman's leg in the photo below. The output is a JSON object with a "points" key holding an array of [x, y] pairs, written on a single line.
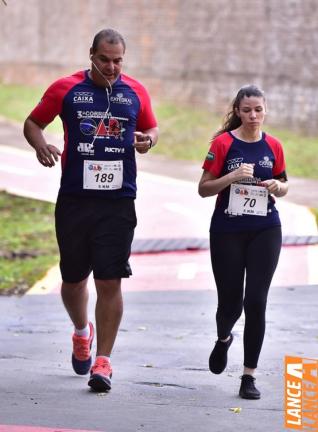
{"points": [[228, 263], [262, 258]]}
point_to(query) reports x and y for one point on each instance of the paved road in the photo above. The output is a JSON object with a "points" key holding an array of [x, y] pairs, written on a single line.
{"points": [[178, 213], [302, 191], [161, 381]]}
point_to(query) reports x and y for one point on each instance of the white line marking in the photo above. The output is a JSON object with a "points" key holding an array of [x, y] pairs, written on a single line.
{"points": [[49, 197], [180, 209], [312, 259], [146, 176], [17, 152], [17, 170], [187, 271]]}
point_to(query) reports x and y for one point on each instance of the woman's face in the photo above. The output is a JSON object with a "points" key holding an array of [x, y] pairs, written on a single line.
{"points": [[251, 111]]}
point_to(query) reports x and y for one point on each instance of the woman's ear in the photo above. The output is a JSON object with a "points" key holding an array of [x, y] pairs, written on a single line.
{"points": [[265, 109], [237, 112]]}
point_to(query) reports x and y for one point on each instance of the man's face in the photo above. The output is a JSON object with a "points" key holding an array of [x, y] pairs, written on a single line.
{"points": [[109, 59]]}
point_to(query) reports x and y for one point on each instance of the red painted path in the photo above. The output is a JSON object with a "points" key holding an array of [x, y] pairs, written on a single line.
{"points": [[8, 428]]}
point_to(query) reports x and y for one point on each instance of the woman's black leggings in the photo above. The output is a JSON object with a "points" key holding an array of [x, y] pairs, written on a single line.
{"points": [[253, 255]]}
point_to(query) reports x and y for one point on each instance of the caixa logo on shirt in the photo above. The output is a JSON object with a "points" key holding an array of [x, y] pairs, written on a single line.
{"points": [[83, 97], [86, 149], [233, 164], [266, 162]]}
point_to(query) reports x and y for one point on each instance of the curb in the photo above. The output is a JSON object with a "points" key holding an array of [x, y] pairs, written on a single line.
{"points": [[47, 283]]}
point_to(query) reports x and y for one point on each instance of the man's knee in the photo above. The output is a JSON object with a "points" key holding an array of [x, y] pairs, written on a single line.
{"points": [[74, 286], [107, 287]]}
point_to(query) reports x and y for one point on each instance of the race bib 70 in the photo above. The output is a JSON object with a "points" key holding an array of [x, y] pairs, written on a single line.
{"points": [[248, 199]]}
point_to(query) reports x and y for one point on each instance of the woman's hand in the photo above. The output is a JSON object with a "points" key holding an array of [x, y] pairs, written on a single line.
{"points": [[245, 170], [273, 186]]}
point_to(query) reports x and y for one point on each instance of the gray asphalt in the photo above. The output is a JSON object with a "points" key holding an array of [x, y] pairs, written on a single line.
{"points": [[161, 380]]}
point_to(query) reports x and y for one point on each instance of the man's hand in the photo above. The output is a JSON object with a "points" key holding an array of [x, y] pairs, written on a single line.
{"points": [[47, 155], [142, 142]]}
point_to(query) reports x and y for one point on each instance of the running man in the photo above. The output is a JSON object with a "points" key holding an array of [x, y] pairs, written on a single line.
{"points": [[106, 116]]}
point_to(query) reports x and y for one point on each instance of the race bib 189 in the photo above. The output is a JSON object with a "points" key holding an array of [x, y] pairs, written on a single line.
{"points": [[248, 199], [103, 175]]}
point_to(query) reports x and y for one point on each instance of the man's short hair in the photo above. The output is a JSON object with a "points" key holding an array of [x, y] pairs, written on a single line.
{"points": [[109, 35]]}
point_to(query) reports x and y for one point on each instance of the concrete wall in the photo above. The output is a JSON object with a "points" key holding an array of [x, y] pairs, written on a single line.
{"points": [[198, 51]]}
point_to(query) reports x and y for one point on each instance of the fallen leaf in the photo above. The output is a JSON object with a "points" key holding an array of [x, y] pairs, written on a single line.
{"points": [[236, 410]]}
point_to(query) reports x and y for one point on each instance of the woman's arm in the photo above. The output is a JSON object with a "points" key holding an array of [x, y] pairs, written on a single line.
{"points": [[210, 185]]}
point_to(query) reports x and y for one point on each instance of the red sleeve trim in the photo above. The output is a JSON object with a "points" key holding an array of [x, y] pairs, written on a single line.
{"points": [[146, 118], [277, 149], [216, 156], [52, 101]]}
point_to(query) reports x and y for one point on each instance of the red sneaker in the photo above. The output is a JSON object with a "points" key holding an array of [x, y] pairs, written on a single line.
{"points": [[81, 356], [101, 374]]}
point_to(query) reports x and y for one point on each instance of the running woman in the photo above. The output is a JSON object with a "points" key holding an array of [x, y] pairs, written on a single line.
{"points": [[106, 116], [245, 168]]}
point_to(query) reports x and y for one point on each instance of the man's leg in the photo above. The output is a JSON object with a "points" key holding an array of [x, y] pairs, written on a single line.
{"points": [[75, 299], [110, 246], [108, 312]]}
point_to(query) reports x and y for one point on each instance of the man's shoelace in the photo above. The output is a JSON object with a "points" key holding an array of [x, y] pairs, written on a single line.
{"points": [[81, 348], [102, 367]]}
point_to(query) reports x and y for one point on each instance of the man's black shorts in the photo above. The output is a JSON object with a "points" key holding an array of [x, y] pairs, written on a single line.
{"points": [[94, 234]]}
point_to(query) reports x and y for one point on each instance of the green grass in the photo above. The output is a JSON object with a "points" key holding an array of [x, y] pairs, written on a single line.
{"points": [[17, 101], [185, 134], [315, 212], [27, 244], [300, 152], [185, 131]]}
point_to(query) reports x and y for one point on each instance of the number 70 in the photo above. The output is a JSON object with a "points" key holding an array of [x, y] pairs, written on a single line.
{"points": [[249, 202]]}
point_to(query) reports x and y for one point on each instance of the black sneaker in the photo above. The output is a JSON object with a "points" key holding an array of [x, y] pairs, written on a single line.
{"points": [[218, 357], [101, 374], [248, 389], [81, 356]]}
